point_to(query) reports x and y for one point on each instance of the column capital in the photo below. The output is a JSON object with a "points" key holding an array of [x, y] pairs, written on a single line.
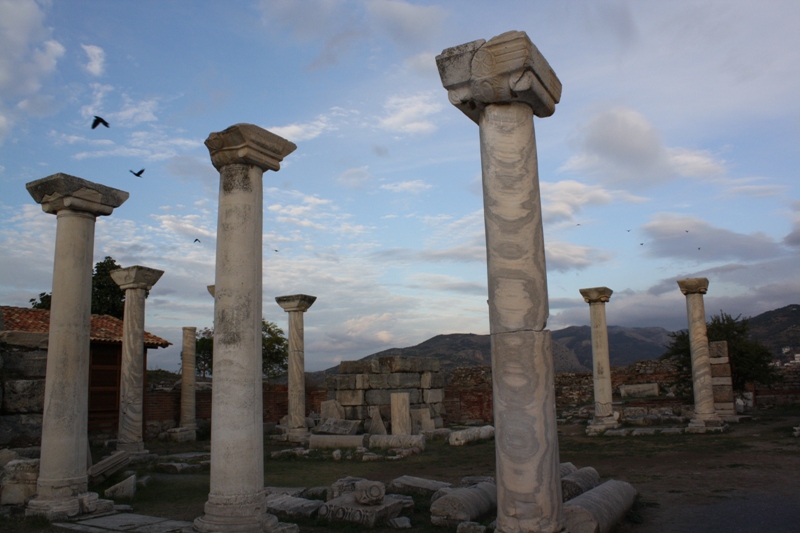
{"points": [[693, 285], [295, 302], [596, 294], [247, 144], [506, 69], [62, 191], [136, 277]]}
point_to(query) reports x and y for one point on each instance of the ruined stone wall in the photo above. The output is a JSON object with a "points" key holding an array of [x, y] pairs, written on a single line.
{"points": [[22, 371], [362, 384], [784, 392]]}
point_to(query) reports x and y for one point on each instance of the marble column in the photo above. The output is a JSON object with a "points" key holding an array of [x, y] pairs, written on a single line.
{"points": [[188, 357], [62, 485], [135, 281], [296, 305], [236, 500], [704, 413], [603, 408], [501, 84]]}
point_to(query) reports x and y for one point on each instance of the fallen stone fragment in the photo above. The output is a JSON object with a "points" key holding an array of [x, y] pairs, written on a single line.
{"points": [[401, 522], [470, 527], [411, 485], [370, 457], [464, 505], [314, 493], [19, 481], [400, 453], [290, 452], [369, 492], [347, 509], [468, 481], [333, 426], [566, 469], [333, 442], [578, 482], [286, 491], [376, 425], [617, 432], [336, 455], [143, 481], [441, 492], [397, 441], [462, 437], [331, 409], [437, 434], [340, 487], [600, 509], [111, 464], [124, 490], [292, 507]]}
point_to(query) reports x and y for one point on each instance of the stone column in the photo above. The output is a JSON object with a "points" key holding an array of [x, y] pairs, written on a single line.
{"points": [[236, 501], [401, 413], [135, 281], [62, 484], [603, 409], [188, 356], [296, 305], [704, 413], [501, 85]]}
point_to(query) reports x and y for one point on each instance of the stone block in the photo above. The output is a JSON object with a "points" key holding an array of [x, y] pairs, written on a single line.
{"points": [[23, 395], [384, 396], [401, 414], [369, 492], [431, 380], [333, 426], [356, 412], [433, 395], [723, 393], [400, 363], [298, 492], [350, 397], [438, 422], [333, 442], [347, 509], [599, 510], [21, 430], [342, 486], [464, 505], [292, 507], [718, 350], [720, 370], [331, 409], [341, 382], [437, 409], [108, 466], [181, 435], [410, 486], [385, 442], [364, 366], [638, 390], [27, 365], [376, 425], [6, 456], [464, 436], [671, 431], [421, 421], [361, 381], [19, 481], [124, 490]]}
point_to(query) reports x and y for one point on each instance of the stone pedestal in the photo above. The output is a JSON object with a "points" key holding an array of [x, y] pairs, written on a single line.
{"points": [[188, 364], [704, 413], [236, 501], [603, 408], [401, 413], [62, 484], [722, 381], [135, 281], [501, 85], [296, 305]]}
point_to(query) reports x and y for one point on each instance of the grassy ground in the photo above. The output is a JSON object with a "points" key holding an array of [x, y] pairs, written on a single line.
{"points": [[670, 471]]}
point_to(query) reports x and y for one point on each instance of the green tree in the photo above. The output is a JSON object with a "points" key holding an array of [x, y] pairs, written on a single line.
{"points": [[107, 297], [274, 351], [750, 360]]}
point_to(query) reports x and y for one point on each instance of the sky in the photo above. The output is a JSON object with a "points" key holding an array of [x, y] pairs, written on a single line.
{"points": [[673, 153]]}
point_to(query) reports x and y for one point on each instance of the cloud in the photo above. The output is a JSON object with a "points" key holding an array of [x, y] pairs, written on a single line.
{"points": [[410, 114], [439, 282], [99, 92], [151, 145], [564, 256], [97, 59], [305, 131], [793, 238], [407, 23], [423, 63], [38, 105], [619, 146], [354, 178], [413, 187], [749, 187], [563, 199], [135, 112]]}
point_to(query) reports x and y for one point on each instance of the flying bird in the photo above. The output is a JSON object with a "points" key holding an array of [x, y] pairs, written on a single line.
{"points": [[641, 244], [628, 230], [137, 174], [99, 120], [197, 240]]}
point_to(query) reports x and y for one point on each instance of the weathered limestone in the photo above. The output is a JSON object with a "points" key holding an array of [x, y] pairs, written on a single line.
{"points": [[236, 501], [464, 436], [576, 483], [188, 369], [62, 484], [704, 414], [464, 505], [376, 425], [500, 85], [604, 417], [135, 281], [411, 485], [330, 409], [600, 509], [638, 390], [338, 426], [333, 442], [369, 492], [296, 305], [346, 509], [124, 490], [292, 507], [386, 442], [401, 414], [109, 465], [722, 380], [421, 420], [18, 482]]}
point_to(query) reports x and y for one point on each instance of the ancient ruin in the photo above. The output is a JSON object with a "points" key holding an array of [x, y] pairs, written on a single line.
{"points": [[604, 417], [500, 85]]}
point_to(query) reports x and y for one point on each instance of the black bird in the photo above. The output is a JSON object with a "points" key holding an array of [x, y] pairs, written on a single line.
{"points": [[687, 231], [628, 230], [641, 244], [98, 121], [197, 240], [137, 174]]}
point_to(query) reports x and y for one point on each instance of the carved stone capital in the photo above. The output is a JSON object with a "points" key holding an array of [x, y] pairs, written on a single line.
{"points": [[247, 144], [506, 69], [596, 294], [296, 302], [62, 191], [136, 277], [693, 285]]}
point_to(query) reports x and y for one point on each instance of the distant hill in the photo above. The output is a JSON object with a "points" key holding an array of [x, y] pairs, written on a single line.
{"points": [[625, 345], [778, 329]]}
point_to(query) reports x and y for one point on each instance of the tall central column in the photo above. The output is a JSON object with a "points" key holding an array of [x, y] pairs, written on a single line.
{"points": [[501, 85], [296, 305], [236, 501], [603, 407], [704, 413], [135, 281], [62, 485]]}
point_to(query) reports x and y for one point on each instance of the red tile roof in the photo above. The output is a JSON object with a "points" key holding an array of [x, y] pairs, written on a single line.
{"points": [[104, 328]]}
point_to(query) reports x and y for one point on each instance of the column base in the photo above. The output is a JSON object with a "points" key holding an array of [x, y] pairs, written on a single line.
{"points": [[71, 507], [706, 425], [297, 435], [181, 434], [598, 426], [236, 514]]}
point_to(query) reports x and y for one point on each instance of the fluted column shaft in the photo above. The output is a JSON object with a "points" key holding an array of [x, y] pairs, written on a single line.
{"points": [[188, 365]]}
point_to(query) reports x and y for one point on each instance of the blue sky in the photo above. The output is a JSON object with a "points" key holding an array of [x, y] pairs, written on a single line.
{"points": [[678, 128]]}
